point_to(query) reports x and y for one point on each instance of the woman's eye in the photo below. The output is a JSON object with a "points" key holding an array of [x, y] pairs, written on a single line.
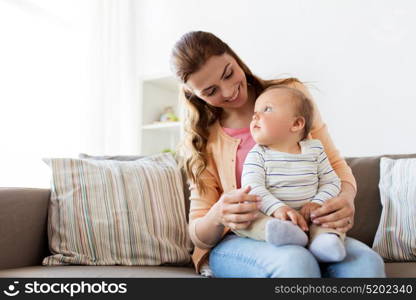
{"points": [[268, 109], [229, 75], [212, 92]]}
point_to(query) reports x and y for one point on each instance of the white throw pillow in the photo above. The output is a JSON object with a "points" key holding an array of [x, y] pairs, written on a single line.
{"points": [[395, 239]]}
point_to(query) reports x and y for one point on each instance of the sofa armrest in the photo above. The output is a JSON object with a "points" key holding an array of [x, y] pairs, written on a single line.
{"points": [[23, 226]]}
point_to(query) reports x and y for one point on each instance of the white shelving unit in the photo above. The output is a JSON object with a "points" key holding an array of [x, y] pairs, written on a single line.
{"points": [[157, 93]]}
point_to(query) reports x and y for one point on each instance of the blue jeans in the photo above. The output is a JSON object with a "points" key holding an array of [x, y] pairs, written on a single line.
{"points": [[236, 256]]}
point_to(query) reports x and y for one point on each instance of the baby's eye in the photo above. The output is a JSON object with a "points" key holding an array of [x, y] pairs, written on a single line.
{"points": [[267, 109]]}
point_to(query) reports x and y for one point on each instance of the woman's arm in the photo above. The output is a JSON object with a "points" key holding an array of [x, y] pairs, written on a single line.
{"points": [[210, 214], [236, 210], [206, 231], [204, 228]]}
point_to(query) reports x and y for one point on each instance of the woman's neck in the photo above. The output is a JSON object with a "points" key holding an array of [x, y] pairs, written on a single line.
{"points": [[236, 120]]}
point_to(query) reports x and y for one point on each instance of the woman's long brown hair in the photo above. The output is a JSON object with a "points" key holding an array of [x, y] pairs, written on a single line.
{"points": [[189, 54]]}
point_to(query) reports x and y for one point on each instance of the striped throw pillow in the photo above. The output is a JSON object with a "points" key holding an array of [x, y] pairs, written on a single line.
{"points": [[395, 239], [108, 212]]}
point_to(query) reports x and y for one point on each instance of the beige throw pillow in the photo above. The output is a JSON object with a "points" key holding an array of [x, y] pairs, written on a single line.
{"points": [[108, 212], [395, 239]]}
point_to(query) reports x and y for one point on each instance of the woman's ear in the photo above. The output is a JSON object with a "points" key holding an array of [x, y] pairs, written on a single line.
{"points": [[298, 124]]}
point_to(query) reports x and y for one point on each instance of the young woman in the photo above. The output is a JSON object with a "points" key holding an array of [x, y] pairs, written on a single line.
{"points": [[219, 91]]}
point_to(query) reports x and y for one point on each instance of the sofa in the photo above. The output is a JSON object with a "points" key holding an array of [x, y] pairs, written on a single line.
{"points": [[24, 241]]}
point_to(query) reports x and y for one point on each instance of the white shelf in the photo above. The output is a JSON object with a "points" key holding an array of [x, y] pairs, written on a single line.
{"points": [[157, 93], [162, 125], [163, 82]]}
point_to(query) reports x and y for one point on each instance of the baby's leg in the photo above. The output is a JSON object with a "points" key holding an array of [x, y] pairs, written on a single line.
{"points": [[256, 230], [326, 244], [274, 231]]}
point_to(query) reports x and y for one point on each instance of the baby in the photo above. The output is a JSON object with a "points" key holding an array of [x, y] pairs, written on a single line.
{"points": [[292, 175]]}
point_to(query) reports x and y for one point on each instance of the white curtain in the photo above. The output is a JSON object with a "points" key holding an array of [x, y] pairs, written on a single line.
{"points": [[68, 84], [111, 117]]}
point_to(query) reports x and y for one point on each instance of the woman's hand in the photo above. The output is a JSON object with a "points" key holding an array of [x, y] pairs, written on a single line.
{"points": [[307, 209], [237, 209], [338, 212], [285, 213]]}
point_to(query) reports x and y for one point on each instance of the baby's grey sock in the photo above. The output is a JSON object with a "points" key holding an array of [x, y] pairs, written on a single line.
{"points": [[280, 233], [328, 247]]}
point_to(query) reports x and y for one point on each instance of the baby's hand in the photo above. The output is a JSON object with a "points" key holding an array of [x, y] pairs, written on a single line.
{"points": [[306, 210], [287, 213]]}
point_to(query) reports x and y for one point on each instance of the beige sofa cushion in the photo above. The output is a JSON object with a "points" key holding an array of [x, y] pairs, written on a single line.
{"points": [[395, 239], [367, 202]]}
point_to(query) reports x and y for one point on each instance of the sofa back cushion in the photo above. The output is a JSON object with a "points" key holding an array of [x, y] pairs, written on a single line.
{"points": [[367, 202]]}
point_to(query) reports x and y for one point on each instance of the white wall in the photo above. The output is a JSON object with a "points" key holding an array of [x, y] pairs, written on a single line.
{"points": [[67, 84], [43, 47], [360, 56]]}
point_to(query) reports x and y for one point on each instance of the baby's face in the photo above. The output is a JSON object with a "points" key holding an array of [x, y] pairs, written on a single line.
{"points": [[273, 117]]}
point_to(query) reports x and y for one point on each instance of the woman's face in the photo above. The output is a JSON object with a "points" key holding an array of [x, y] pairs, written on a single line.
{"points": [[220, 82]]}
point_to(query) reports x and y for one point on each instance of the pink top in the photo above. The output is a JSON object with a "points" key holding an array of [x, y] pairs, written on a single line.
{"points": [[246, 143]]}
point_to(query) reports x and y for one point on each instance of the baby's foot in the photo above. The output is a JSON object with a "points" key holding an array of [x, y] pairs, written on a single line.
{"points": [[280, 233], [328, 247]]}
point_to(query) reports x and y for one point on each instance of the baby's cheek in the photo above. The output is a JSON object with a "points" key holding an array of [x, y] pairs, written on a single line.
{"points": [[273, 129]]}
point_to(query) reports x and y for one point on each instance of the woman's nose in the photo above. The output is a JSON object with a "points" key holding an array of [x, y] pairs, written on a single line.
{"points": [[228, 91]]}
